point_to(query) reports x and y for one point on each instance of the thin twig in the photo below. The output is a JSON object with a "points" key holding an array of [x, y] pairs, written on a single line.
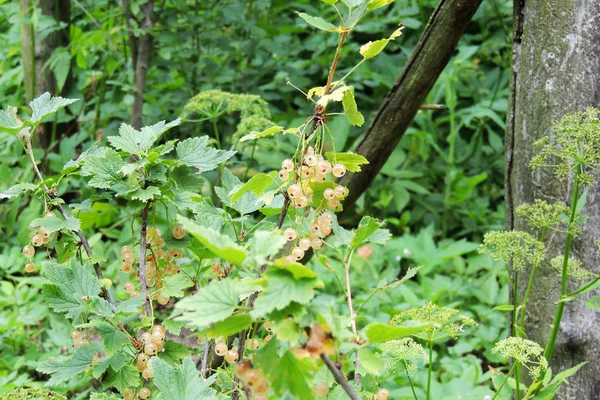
{"points": [[432, 107], [142, 270], [52, 195], [339, 377], [204, 364], [352, 313]]}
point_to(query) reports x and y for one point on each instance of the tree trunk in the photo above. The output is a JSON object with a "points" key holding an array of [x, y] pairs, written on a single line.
{"points": [[431, 55], [35, 53], [556, 70]]}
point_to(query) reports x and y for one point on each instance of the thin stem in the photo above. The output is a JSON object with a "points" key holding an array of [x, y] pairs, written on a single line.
{"points": [[351, 309], [505, 380], [336, 58], [339, 377], [52, 195], [412, 386], [565, 272], [142, 269], [429, 368]]}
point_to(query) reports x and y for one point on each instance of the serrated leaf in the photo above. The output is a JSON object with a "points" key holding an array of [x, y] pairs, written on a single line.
{"points": [[330, 2], [272, 131], [351, 109], [294, 374], [351, 161], [104, 169], [126, 377], [174, 286], [68, 287], [113, 339], [172, 326], [318, 22], [174, 352], [116, 363], [366, 228], [183, 383], [247, 204], [195, 153], [145, 195], [297, 270], [139, 142], [257, 185], [229, 326], [264, 244], [55, 224], [61, 371], [212, 303], [17, 189], [9, 121], [378, 332], [209, 215], [221, 245], [130, 305], [45, 105]]}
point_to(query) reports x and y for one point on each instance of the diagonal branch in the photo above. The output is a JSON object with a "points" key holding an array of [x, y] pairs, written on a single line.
{"points": [[339, 377], [429, 58]]}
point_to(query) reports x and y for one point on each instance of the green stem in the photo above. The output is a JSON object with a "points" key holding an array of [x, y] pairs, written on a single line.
{"points": [[429, 368], [412, 387], [565, 269], [505, 380]]}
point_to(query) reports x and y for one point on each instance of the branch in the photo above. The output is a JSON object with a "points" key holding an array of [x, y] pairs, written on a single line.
{"points": [[52, 195], [428, 60], [352, 313], [142, 269], [142, 65], [339, 377]]}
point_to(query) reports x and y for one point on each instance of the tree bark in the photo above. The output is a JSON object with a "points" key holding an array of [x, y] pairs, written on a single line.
{"points": [[35, 53], [431, 55], [556, 70]]}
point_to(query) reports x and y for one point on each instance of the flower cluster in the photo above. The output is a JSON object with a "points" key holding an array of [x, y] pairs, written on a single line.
{"points": [[542, 215], [519, 247], [574, 268], [402, 354], [524, 351]]}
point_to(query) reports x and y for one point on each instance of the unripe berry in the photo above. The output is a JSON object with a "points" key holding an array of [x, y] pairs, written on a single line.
{"points": [[321, 389], [329, 194], [253, 344], [324, 167], [283, 174], [144, 393], [382, 394], [287, 165], [221, 349], [150, 349], [178, 232], [29, 268], [162, 300], [294, 190], [340, 191], [310, 160], [304, 244], [231, 356], [37, 240], [129, 287], [28, 251], [290, 234], [298, 253], [316, 243], [339, 170], [301, 201]]}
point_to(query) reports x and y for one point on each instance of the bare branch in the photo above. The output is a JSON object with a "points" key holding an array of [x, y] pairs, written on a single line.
{"points": [[339, 377]]}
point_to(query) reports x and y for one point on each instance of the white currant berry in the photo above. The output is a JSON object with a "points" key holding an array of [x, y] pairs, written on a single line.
{"points": [[340, 191], [142, 358], [326, 219], [325, 230], [329, 194], [298, 253], [162, 300], [126, 250], [289, 259], [316, 243], [382, 394], [129, 287], [310, 160], [150, 349], [29, 268], [178, 232], [126, 267], [310, 151], [321, 389], [283, 174], [134, 293], [147, 337], [339, 170], [314, 228], [294, 190], [50, 214], [268, 325], [146, 373], [304, 244], [158, 337], [290, 234], [28, 251], [231, 356], [305, 172], [76, 335], [144, 393], [253, 344], [287, 165], [324, 167], [333, 204], [221, 349], [319, 178], [301, 201]]}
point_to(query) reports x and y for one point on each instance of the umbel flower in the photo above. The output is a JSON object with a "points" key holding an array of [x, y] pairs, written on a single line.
{"points": [[402, 354], [526, 352], [444, 321], [574, 147], [574, 268], [519, 247], [542, 215]]}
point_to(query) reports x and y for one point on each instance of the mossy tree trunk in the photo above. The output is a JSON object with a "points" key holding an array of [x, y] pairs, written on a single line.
{"points": [[556, 70]]}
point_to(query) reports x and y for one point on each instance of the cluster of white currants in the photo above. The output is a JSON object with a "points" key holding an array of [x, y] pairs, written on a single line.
{"points": [[253, 379], [154, 340], [130, 394], [78, 339], [40, 238], [320, 227]]}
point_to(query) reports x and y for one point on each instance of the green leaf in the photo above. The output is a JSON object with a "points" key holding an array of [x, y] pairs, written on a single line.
{"points": [[130, 305], [17, 189], [172, 326], [139, 142], [370, 362], [221, 245], [45, 105], [318, 22], [104, 170], [60, 64], [9, 121], [375, 4], [549, 391], [367, 227], [330, 2], [193, 152], [272, 131], [378, 332], [231, 325], [351, 161], [113, 339], [247, 204], [74, 365], [257, 184], [504, 307], [175, 285], [116, 363], [294, 374], [297, 270], [351, 109], [126, 377], [212, 303], [280, 289], [145, 195], [371, 49], [183, 383], [174, 352], [55, 224], [69, 286], [265, 244]]}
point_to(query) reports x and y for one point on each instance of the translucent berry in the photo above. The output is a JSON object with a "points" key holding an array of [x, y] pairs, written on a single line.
{"points": [[126, 267], [321, 389], [129, 287], [267, 339], [382, 394], [333, 204], [316, 243], [231, 356], [29, 268], [76, 335], [329, 194], [326, 230], [319, 178], [301, 201], [128, 394], [268, 326], [50, 214], [221, 349], [261, 388], [287, 165], [340, 191], [126, 250], [144, 393], [305, 172], [162, 300], [158, 337], [158, 328], [314, 228], [310, 151], [28, 251], [294, 190], [252, 378], [290, 234], [178, 232], [298, 253], [324, 167], [326, 219], [310, 160], [128, 258], [37, 240], [134, 293], [304, 244], [242, 368], [339, 170], [283, 174], [146, 373], [150, 349], [142, 358], [289, 259], [147, 337], [253, 344]]}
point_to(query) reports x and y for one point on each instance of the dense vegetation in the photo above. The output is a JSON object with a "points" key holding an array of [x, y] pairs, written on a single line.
{"points": [[223, 68]]}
